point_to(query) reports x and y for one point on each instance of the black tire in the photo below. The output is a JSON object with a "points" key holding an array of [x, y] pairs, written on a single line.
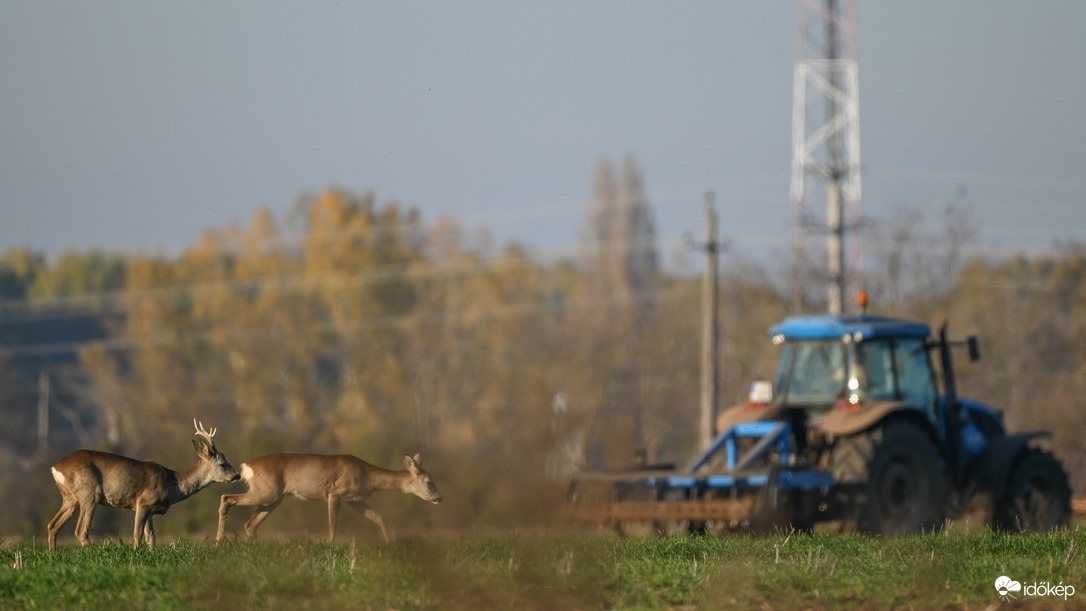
{"points": [[1038, 496], [892, 480]]}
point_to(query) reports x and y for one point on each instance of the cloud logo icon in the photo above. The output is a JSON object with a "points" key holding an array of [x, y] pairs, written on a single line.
{"points": [[1005, 585]]}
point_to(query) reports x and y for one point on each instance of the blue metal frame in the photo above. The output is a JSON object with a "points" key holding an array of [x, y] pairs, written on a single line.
{"points": [[770, 434]]}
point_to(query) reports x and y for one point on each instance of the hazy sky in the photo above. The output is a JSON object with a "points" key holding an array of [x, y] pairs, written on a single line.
{"points": [[134, 126]]}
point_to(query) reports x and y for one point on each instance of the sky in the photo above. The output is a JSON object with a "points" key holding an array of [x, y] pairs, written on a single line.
{"points": [[133, 127]]}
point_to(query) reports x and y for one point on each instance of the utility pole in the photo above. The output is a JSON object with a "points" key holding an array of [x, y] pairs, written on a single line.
{"points": [[710, 329], [826, 82]]}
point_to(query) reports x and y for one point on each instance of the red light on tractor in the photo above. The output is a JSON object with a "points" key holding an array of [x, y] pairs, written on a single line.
{"points": [[852, 403]]}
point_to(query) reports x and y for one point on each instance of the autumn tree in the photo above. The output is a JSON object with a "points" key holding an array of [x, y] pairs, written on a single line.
{"points": [[620, 278], [353, 326], [913, 259], [19, 268], [1029, 315], [622, 258]]}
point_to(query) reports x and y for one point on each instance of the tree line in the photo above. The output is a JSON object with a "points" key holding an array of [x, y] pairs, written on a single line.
{"points": [[355, 326]]}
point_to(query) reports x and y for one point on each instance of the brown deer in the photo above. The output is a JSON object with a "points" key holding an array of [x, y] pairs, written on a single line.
{"points": [[336, 479], [86, 478]]}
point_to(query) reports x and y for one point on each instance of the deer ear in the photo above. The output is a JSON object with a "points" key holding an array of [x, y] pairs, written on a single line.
{"points": [[411, 464], [202, 447]]}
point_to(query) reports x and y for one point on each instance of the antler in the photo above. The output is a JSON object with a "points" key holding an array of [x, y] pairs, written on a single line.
{"points": [[200, 432]]}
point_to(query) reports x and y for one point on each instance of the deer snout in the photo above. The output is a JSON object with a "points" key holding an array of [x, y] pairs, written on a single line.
{"points": [[229, 474], [437, 500]]}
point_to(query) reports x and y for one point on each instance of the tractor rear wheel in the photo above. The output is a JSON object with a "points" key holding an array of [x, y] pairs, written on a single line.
{"points": [[1038, 497], [893, 479]]}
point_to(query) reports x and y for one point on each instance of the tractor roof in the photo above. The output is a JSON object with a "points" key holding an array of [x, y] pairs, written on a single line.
{"points": [[834, 327]]}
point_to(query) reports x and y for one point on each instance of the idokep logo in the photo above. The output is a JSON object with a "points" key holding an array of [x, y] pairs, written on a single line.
{"points": [[1006, 587]]}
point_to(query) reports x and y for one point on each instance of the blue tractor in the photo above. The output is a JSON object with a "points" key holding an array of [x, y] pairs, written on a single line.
{"points": [[863, 428]]}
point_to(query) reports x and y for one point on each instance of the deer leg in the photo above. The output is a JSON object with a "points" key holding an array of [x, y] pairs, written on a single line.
{"points": [[259, 515], [149, 531], [228, 501], [143, 519], [333, 516], [82, 523], [373, 516], [68, 506]]}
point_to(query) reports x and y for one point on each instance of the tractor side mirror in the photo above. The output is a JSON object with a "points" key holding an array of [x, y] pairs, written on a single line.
{"points": [[974, 350]]}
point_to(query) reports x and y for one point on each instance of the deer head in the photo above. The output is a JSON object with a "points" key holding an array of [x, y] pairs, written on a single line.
{"points": [[219, 469], [421, 485]]}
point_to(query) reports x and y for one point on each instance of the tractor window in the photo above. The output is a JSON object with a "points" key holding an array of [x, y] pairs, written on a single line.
{"points": [[914, 372], [817, 371], [875, 370]]}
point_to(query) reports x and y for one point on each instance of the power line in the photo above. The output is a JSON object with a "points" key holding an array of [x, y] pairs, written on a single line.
{"points": [[1000, 180], [234, 335], [24, 311]]}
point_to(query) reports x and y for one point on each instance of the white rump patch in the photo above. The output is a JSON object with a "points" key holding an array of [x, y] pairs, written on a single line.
{"points": [[246, 472], [57, 475]]}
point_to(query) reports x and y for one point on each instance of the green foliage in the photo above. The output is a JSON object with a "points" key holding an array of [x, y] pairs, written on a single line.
{"points": [[19, 268], [782, 571], [78, 274]]}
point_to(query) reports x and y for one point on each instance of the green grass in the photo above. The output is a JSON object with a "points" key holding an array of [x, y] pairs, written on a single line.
{"points": [[796, 571]]}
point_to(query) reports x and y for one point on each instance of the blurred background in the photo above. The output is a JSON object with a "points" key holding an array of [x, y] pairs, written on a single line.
{"points": [[465, 231]]}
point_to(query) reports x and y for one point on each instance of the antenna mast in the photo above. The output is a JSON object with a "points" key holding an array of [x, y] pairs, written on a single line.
{"points": [[826, 138]]}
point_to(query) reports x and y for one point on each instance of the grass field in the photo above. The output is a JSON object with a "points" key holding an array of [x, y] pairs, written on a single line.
{"points": [[535, 571]]}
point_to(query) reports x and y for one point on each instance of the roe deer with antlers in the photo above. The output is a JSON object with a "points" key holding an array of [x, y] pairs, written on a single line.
{"points": [[86, 478], [337, 479]]}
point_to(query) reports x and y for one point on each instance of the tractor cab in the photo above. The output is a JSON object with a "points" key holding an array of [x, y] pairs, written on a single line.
{"points": [[839, 374], [843, 362]]}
